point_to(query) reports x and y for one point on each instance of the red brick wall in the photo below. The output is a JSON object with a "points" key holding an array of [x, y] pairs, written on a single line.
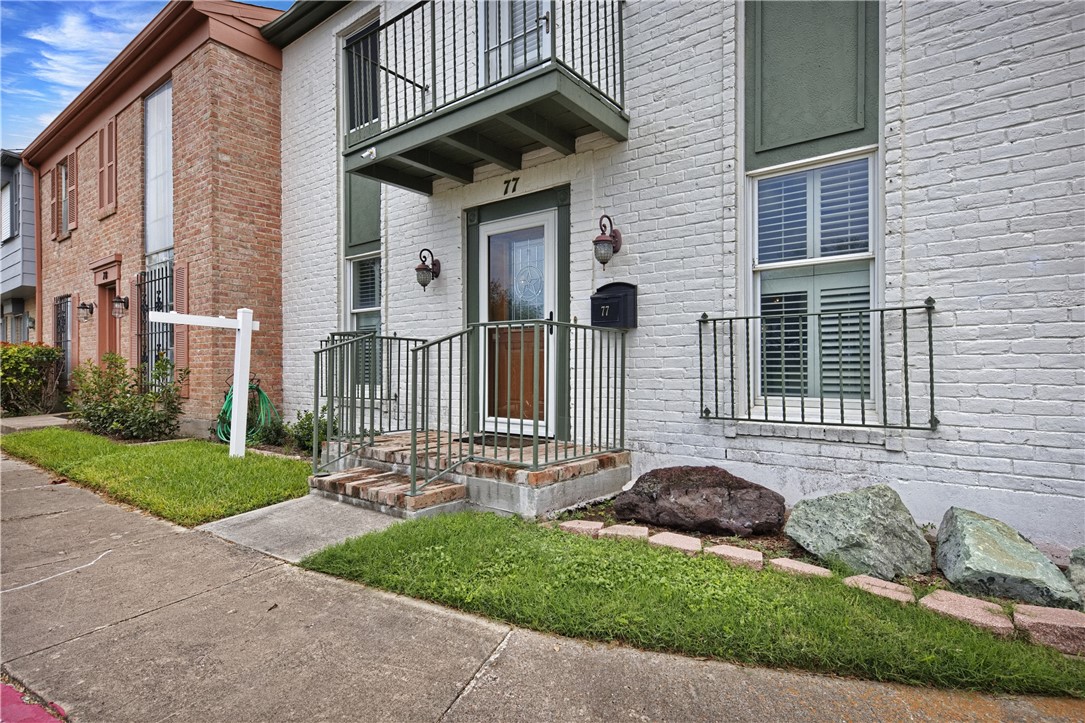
{"points": [[226, 214], [227, 200], [66, 261]]}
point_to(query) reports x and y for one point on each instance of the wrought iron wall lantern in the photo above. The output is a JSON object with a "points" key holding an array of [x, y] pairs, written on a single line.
{"points": [[85, 311], [30, 323], [427, 272], [607, 243], [120, 307]]}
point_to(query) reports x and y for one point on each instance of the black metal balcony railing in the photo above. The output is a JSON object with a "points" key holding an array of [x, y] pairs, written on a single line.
{"points": [[436, 54], [856, 368]]}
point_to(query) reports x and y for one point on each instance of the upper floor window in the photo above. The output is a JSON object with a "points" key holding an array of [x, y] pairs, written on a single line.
{"points": [[362, 65], [158, 169], [515, 35], [812, 281], [6, 210]]}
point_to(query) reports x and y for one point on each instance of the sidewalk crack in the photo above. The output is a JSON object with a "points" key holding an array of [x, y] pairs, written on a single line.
{"points": [[115, 623], [486, 664]]}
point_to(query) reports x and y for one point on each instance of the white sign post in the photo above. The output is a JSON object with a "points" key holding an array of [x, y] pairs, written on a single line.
{"points": [[244, 326]]}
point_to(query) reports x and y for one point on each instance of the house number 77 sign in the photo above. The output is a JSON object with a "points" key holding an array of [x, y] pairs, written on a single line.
{"points": [[244, 326]]}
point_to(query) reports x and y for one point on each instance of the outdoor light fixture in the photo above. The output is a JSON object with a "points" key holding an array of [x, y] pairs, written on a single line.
{"points": [[85, 311], [424, 272], [607, 243], [30, 323], [120, 307]]}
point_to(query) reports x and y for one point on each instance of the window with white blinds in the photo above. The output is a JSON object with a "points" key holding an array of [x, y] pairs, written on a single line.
{"points": [[366, 294], [515, 36], [813, 279]]}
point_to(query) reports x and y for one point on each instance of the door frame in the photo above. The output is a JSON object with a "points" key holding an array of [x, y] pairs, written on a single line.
{"points": [[548, 219], [550, 199]]}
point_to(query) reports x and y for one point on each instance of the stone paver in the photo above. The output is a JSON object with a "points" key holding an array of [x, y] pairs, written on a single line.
{"points": [[582, 527], [881, 588], [627, 531], [795, 567], [685, 543], [1058, 628], [981, 613], [738, 556]]}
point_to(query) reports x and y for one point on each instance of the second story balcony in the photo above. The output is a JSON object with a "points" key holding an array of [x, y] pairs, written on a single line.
{"points": [[445, 87]]}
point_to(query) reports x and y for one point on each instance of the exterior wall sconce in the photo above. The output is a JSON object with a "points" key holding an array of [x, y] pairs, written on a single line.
{"points": [[424, 272], [30, 323], [607, 243], [85, 311], [120, 307]]}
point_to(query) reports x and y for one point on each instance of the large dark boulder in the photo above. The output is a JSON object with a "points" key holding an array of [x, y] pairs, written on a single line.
{"points": [[707, 499], [869, 530]]}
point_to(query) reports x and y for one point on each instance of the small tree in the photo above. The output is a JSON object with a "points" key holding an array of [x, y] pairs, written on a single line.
{"points": [[29, 377], [107, 399]]}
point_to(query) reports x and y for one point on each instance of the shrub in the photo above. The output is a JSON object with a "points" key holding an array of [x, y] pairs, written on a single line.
{"points": [[301, 431], [29, 377], [108, 400]]}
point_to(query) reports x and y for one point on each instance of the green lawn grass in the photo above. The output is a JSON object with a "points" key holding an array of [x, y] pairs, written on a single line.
{"points": [[188, 482], [660, 599]]}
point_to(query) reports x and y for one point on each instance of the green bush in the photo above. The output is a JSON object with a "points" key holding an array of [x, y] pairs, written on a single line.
{"points": [[108, 399], [301, 431], [29, 378]]}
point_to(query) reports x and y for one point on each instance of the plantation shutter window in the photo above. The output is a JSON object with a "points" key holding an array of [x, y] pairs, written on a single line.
{"points": [[158, 171], [813, 278], [365, 302]]}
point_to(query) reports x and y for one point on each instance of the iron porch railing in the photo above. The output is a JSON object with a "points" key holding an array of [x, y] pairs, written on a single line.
{"points": [[359, 392], [855, 368], [436, 54], [62, 336], [527, 393]]}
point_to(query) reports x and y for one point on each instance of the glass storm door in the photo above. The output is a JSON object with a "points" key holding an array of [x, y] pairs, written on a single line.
{"points": [[518, 265]]}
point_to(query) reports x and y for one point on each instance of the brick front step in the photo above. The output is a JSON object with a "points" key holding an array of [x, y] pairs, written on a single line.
{"points": [[387, 489]]}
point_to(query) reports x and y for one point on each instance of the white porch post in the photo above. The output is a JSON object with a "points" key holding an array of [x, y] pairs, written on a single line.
{"points": [[239, 423]]}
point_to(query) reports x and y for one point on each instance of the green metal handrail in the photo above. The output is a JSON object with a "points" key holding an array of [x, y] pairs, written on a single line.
{"points": [[571, 411], [358, 380]]}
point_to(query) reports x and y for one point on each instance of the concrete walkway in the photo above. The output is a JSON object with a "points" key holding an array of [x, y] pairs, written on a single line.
{"points": [[18, 424], [117, 616], [293, 529]]}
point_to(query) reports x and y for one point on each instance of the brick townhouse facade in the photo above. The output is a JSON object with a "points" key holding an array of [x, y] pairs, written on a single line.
{"points": [[793, 182], [159, 189]]}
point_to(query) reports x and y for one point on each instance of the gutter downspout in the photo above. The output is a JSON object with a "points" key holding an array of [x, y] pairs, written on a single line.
{"points": [[38, 308]]}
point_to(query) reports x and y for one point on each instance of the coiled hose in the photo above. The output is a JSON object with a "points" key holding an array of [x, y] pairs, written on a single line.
{"points": [[266, 415]]}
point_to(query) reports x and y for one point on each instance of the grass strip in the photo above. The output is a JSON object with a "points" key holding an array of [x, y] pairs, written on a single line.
{"points": [[188, 482], [659, 599]]}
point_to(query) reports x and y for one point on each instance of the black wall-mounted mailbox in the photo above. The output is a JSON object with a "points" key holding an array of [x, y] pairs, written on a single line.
{"points": [[615, 306]]}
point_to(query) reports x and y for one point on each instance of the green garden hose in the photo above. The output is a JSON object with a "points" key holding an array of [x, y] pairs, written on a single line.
{"points": [[265, 415]]}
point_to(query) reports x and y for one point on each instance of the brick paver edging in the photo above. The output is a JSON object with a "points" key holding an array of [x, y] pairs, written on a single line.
{"points": [[1058, 628]]}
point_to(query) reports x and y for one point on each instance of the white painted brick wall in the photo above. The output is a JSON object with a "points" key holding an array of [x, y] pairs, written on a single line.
{"points": [[984, 210]]}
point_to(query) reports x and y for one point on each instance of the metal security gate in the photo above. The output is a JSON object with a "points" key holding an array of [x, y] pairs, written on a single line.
{"points": [[62, 310], [154, 289]]}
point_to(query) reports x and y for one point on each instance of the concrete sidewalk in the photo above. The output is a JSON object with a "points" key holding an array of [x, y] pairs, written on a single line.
{"points": [[18, 424], [117, 616]]}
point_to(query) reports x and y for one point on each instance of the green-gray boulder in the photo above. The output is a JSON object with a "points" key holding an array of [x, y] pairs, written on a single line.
{"points": [[1076, 572], [869, 530], [983, 556]]}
